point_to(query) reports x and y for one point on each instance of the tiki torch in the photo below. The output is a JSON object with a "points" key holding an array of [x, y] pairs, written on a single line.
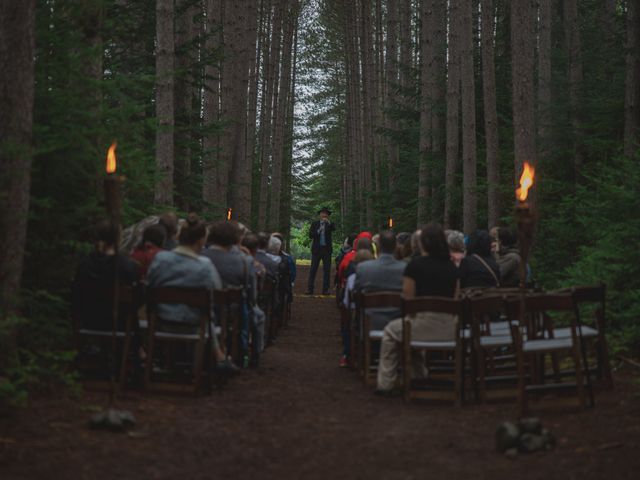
{"points": [[390, 223], [113, 419], [229, 214], [526, 219]]}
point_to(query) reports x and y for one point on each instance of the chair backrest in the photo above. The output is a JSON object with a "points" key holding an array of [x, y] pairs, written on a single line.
{"points": [[228, 296], [381, 299], [434, 305], [192, 297], [589, 293]]}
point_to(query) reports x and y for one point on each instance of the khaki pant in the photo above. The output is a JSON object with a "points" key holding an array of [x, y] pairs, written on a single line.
{"points": [[425, 326]]}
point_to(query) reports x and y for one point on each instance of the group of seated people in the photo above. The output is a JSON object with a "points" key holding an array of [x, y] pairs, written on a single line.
{"points": [[429, 262], [192, 254]]}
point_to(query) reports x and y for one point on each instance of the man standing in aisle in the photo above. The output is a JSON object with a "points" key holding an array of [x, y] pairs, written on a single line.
{"points": [[321, 249]]}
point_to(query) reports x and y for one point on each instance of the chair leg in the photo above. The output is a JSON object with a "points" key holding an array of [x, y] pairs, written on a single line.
{"points": [[366, 365], [125, 356], [149, 363], [459, 373], [198, 364], [406, 359], [579, 378], [481, 356]]}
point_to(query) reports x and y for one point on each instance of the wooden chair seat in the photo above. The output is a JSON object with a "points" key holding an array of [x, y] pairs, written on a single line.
{"points": [[444, 345], [547, 345], [100, 333], [376, 334], [584, 331], [494, 341]]}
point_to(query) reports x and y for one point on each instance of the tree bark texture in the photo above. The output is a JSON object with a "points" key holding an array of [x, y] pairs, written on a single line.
{"points": [[632, 81], [490, 113], [468, 98], [544, 74], [574, 57], [17, 53], [391, 87], [522, 63], [453, 110], [211, 107], [163, 193]]}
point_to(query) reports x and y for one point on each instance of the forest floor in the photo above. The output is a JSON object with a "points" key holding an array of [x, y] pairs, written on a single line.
{"points": [[300, 416]]}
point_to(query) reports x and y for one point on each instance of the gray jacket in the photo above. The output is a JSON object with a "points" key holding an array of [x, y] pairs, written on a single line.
{"points": [[383, 274]]}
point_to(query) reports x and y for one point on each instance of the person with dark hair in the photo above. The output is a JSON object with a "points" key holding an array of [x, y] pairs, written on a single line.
{"points": [[479, 269], [508, 257], [321, 249], [402, 239], [152, 242], [348, 258], [96, 273], [431, 274], [169, 220], [185, 267]]}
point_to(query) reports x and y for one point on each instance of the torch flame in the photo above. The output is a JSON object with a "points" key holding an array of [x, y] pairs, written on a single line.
{"points": [[390, 222], [111, 158], [229, 212], [526, 182]]}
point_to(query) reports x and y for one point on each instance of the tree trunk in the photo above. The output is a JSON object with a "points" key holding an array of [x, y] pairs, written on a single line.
{"points": [[255, 59], [185, 36], [269, 105], [522, 50], [468, 97], [490, 113], [632, 81], [163, 194], [427, 89], [544, 74], [453, 110], [281, 115], [211, 108], [17, 53], [572, 41], [238, 47], [391, 86], [368, 100]]}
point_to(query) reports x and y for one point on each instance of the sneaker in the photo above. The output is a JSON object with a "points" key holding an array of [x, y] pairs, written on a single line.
{"points": [[343, 362], [227, 367]]}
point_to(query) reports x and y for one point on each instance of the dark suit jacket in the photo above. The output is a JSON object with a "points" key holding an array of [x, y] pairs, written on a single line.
{"points": [[315, 236]]}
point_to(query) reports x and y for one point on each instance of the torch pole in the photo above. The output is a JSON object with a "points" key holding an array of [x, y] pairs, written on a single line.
{"points": [[113, 204]]}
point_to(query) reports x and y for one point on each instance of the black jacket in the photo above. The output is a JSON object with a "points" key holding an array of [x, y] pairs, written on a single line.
{"points": [[315, 236]]}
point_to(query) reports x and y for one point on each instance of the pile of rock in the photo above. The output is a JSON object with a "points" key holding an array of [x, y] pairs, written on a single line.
{"points": [[525, 436]]}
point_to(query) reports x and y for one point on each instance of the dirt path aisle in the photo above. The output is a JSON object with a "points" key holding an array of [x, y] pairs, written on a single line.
{"points": [[300, 416]]}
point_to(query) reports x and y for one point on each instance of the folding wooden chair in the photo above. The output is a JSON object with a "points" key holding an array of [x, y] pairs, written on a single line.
{"points": [[126, 296], [534, 339], [457, 309], [368, 301], [592, 334], [199, 298], [492, 344]]}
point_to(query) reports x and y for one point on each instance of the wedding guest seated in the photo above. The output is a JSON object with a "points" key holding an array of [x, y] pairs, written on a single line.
{"points": [[230, 264], [153, 239], [268, 260], [169, 220], [348, 258], [479, 269], [455, 239], [416, 250], [431, 274], [508, 257], [383, 274], [403, 246], [185, 267], [96, 274], [363, 255]]}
